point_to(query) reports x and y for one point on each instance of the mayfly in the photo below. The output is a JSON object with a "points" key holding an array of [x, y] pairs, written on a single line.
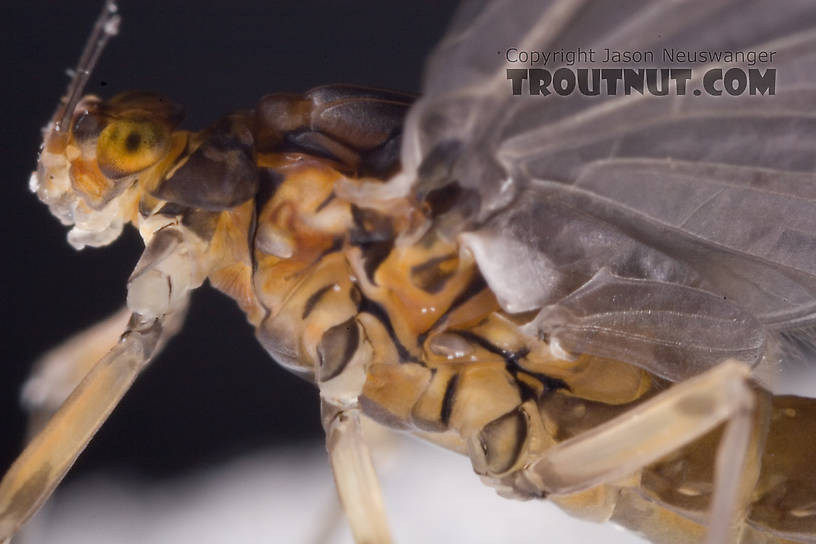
{"points": [[587, 294]]}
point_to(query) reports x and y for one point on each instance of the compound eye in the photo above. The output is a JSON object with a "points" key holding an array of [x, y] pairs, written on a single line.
{"points": [[127, 147]]}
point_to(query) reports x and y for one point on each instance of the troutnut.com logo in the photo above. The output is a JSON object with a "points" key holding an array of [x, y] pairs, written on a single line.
{"points": [[716, 72]]}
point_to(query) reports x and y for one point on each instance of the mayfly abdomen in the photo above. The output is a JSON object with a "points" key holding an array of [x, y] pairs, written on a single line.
{"points": [[673, 495]]}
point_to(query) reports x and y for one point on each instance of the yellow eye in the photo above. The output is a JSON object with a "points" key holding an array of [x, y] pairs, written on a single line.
{"points": [[127, 147]]}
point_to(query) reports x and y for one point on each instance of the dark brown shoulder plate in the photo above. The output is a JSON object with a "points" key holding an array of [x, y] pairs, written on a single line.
{"points": [[356, 126], [221, 173]]}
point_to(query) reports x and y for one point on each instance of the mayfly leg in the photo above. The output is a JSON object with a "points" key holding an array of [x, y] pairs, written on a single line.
{"points": [[57, 373], [46, 459], [671, 420], [158, 292], [354, 476], [383, 444]]}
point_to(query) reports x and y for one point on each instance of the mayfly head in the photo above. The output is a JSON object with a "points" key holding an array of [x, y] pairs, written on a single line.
{"points": [[94, 151]]}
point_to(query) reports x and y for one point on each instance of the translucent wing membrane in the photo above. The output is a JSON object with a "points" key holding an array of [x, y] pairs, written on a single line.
{"points": [[676, 210], [673, 330]]}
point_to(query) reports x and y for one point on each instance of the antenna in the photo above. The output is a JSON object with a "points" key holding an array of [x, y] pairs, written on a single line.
{"points": [[106, 26]]}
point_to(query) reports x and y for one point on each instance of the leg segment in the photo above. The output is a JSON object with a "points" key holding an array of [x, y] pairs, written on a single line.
{"points": [[354, 476], [157, 295], [59, 371], [42, 465], [639, 437], [731, 495]]}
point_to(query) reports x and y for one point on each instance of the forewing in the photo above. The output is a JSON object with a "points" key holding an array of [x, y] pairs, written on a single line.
{"points": [[714, 194]]}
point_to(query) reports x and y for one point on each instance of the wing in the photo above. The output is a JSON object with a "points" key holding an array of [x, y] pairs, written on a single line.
{"points": [[676, 210]]}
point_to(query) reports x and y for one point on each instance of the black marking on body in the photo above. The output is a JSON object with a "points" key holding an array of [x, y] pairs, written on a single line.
{"points": [[201, 222], [325, 202], [337, 347], [269, 180], [314, 298], [429, 276], [511, 359], [436, 169], [381, 415], [449, 204], [550, 384], [448, 400], [377, 311], [374, 254], [337, 245], [373, 233], [473, 287], [171, 209], [526, 390], [356, 296], [495, 437], [144, 210], [370, 226], [444, 198], [250, 241]]}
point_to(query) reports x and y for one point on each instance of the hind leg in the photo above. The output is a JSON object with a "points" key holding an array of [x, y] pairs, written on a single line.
{"points": [[637, 438]]}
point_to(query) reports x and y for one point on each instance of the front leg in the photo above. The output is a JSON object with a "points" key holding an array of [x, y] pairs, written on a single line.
{"points": [[44, 462], [160, 282], [57, 373], [173, 264]]}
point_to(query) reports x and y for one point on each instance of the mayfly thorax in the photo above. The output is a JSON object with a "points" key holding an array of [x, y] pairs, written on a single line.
{"points": [[447, 268]]}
